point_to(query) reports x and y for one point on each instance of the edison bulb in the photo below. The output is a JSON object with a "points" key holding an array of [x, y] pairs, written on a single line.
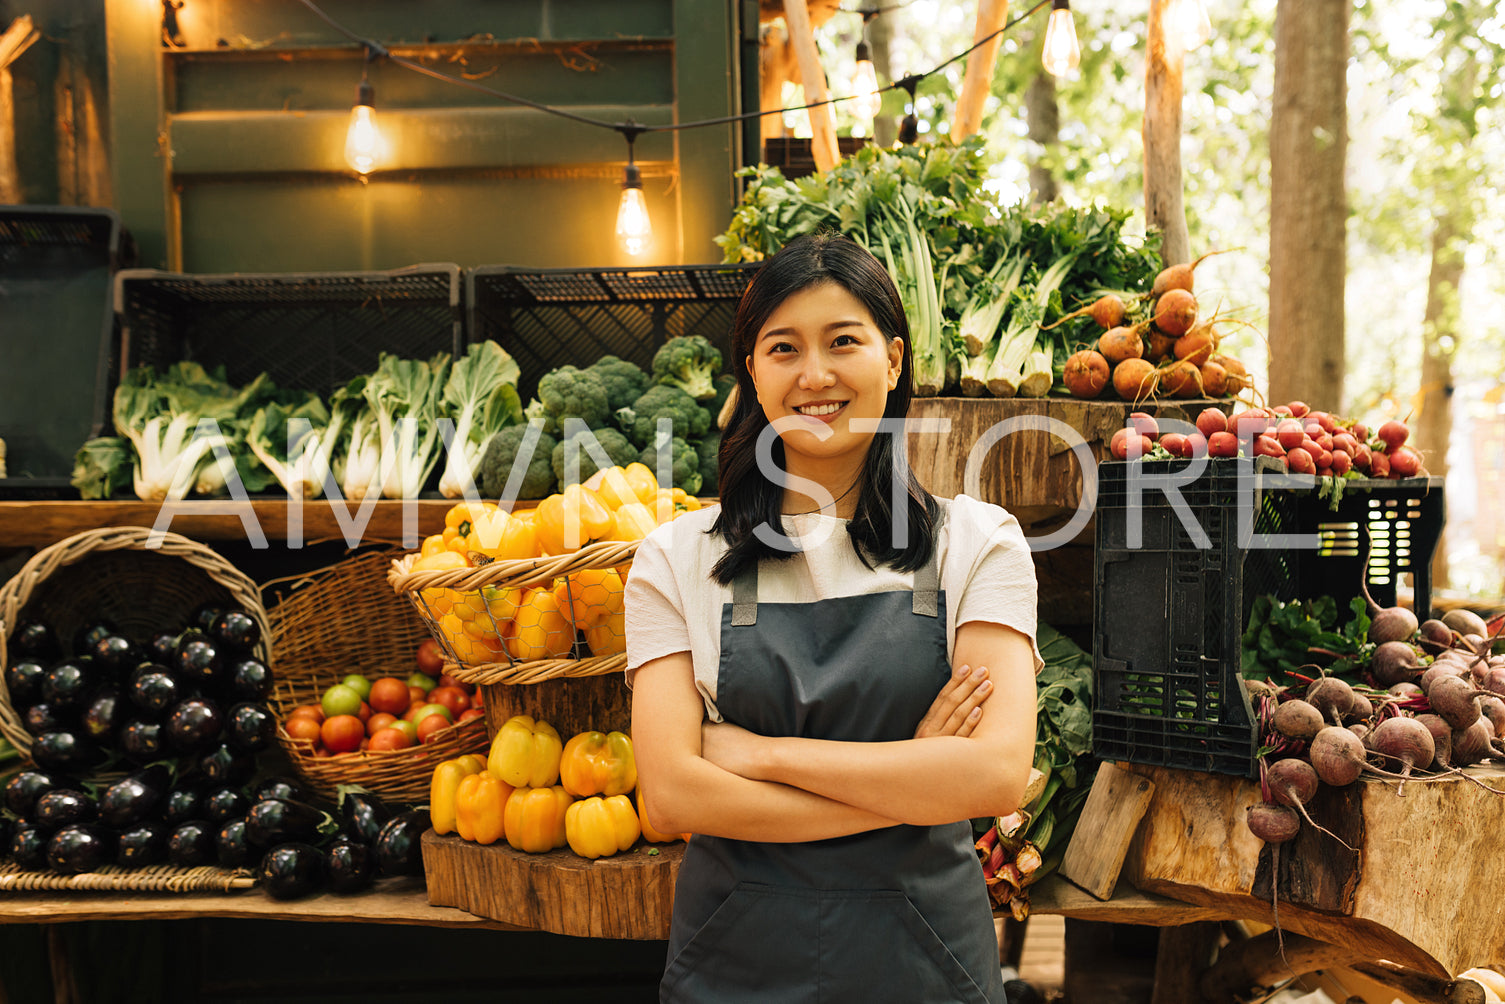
{"points": [[866, 100], [362, 140], [1062, 53], [634, 229]]}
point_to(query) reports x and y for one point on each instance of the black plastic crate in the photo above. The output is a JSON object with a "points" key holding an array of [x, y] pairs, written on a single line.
{"points": [[1169, 610], [56, 323], [306, 330], [549, 317]]}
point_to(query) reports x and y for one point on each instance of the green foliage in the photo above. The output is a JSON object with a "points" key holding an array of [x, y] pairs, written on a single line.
{"points": [[1280, 638], [640, 421], [681, 459], [624, 381], [505, 450]]}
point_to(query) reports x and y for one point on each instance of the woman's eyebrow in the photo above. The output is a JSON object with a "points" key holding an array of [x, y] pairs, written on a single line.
{"points": [[848, 322]]}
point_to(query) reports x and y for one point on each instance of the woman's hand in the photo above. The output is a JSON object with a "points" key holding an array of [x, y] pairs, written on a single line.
{"points": [[730, 747], [957, 709]]}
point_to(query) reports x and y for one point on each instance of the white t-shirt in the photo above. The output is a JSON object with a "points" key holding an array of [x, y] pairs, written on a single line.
{"points": [[673, 604]]}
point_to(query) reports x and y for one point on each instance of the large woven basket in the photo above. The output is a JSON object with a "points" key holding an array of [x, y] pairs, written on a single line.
{"points": [[341, 620], [141, 580]]}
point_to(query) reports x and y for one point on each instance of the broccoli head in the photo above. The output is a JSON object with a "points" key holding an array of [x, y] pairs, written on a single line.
{"points": [[624, 381], [568, 392], [690, 363], [640, 421], [706, 450], [618, 450], [502, 454], [683, 463]]}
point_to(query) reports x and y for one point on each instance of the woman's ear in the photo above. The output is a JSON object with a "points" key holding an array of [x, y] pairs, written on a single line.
{"points": [[895, 361]]}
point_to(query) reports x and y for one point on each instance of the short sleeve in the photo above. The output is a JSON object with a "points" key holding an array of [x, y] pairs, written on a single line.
{"points": [[653, 610], [989, 560]]}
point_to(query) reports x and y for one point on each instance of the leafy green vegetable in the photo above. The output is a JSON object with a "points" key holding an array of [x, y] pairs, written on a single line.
{"points": [[291, 443], [101, 467], [1282, 637], [480, 397], [404, 394]]}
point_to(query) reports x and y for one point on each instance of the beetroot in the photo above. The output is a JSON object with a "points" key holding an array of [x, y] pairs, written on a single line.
{"points": [[1494, 710], [1331, 697], [1297, 720], [1465, 622], [1435, 636], [1405, 690], [1471, 744], [1360, 709], [1274, 824], [1437, 671], [1406, 742], [1394, 662], [1442, 741], [1455, 700], [1338, 756], [1294, 783]]}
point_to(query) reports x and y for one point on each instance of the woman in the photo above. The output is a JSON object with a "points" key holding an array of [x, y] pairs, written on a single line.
{"points": [[790, 652]]}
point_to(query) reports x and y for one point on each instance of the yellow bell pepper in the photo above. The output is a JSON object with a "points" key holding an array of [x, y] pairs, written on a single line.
{"points": [[502, 537], [540, 630], [462, 514], [614, 489], [473, 643], [480, 808], [597, 763], [608, 636], [439, 601], [535, 818], [649, 833], [643, 481], [600, 827], [432, 545], [634, 522], [525, 753], [586, 596], [684, 499], [443, 785], [491, 606], [566, 521]]}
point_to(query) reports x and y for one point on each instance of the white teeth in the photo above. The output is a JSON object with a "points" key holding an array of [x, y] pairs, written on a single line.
{"points": [[821, 409]]}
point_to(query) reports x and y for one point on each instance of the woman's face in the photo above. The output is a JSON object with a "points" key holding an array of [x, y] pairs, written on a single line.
{"points": [[820, 361]]}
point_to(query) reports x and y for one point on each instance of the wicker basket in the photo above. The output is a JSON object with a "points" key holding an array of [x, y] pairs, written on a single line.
{"points": [[142, 581], [342, 620], [111, 878]]}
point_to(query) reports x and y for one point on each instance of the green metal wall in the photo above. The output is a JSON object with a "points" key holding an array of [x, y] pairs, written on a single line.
{"points": [[228, 151]]}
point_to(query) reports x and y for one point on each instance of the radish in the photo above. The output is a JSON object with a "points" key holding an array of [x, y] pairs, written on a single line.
{"points": [[1393, 434], [1196, 445], [1120, 344], [1175, 444], [1294, 783], [1342, 463], [1210, 420], [1343, 441], [1283, 410], [1299, 409], [1379, 465], [1405, 462], [1394, 662], [1222, 444], [1125, 445], [1290, 433], [1266, 446], [1177, 276], [1086, 373], [1215, 379], [1296, 719], [1331, 697], [1135, 379], [1323, 419], [1176, 312], [1337, 756], [1407, 742], [1361, 457], [1144, 424], [1300, 462]]}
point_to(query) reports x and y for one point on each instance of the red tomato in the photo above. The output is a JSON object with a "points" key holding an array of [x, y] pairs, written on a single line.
{"points": [[364, 714], [313, 711], [389, 694], [390, 739], [430, 658], [303, 727], [343, 733], [431, 725], [470, 713], [379, 721], [417, 697], [453, 698]]}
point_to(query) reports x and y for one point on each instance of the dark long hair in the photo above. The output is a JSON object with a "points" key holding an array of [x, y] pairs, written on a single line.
{"points": [[748, 499]]}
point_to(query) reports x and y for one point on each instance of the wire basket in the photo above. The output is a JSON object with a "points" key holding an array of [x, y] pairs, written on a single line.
{"points": [[116, 574], [487, 650], [342, 620]]}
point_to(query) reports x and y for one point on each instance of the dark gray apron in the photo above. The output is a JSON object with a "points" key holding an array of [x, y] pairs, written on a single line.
{"points": [[898, 914]]}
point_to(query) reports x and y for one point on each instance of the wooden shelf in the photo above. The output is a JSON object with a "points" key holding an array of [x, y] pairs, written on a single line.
{"points": [[1054, 896]]}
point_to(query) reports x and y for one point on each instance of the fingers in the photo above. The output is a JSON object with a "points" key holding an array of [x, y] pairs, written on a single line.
{"points": [[963, 714], [963, 693], [969, 723]]}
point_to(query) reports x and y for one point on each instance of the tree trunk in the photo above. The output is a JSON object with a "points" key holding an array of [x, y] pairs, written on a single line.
{"points": [[1308, 205], [822, 118], [1163, 207], [880, 33], [977, 84], [1044, 117], [1432, 424]]}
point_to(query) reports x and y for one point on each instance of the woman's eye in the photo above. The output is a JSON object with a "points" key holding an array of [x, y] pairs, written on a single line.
{"points": [[845, 340], [778, 347]]}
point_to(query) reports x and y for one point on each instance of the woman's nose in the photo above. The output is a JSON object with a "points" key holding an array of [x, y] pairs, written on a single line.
{"points": [[816, 372]]}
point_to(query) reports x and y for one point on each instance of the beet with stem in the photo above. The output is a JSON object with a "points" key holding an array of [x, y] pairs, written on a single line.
{"points": [[1407, 742], [1294, 783], [1331, 697], [1338, 755], [1296, 719]]}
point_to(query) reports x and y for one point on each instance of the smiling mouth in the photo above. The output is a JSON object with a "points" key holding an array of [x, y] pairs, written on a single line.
{"points": [[821, 410]]}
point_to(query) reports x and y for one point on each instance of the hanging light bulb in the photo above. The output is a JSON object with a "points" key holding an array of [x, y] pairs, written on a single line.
{"points": [[363, 144], [634, 228], [1062, 53], [1188, 20], [866, 100], [909, 128]]}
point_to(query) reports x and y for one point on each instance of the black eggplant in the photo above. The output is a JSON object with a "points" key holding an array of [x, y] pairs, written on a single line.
{"points": [[351, 865], [224, 804], [64, 807], [67, 686], [233, 848], [224, 764], [163, 647], [250, 680], [23, 790], [249, 727], [155, 691], [291, 870], [279, 820], [235, 629], [201, 664], [41, 718], [34, 640], [79, 848], [65, 752], [141, 845], [399, 845], [105, 714], [193, 725], [281, 787], [115, 655], [362, 815], [191, 844], [24, 681], [28, 847], [88, 635], [203, 617], [134, 799], [143, 742], [183, 803]]}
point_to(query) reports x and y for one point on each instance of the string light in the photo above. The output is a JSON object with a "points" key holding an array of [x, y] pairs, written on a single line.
{"points": [[909, 129], [1189, 21], [1062, 53], [866, 100], [363, 145], [634, 228]]}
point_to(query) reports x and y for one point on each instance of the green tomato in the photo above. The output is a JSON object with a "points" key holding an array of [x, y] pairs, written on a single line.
{"points": [[434, 709], [424, 681], [359, 684], [340, 700]]}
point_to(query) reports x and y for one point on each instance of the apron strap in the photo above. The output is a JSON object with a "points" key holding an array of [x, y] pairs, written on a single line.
{"points": [[927, 577], [745, 596]]}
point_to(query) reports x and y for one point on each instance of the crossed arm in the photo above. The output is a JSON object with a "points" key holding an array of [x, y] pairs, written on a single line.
{"points": [[721, 780]]}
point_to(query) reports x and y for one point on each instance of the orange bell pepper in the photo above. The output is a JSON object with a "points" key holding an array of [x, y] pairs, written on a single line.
{"points": [[586, 596], [501, 536], [480, 808], [566, 521], [525, 753], [597, 763], [608, 636], [634, 522], [535, 818], [443, 786], [600, 827], [540, 630], [472, 642], [649, 833]]}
